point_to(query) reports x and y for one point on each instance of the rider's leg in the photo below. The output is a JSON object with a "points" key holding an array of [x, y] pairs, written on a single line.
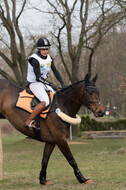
{"points": [[37, 110], [39, 90]]}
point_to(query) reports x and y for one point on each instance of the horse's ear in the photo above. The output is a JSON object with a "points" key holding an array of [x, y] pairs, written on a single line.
{"points": [[95, 78], [86, 79]]}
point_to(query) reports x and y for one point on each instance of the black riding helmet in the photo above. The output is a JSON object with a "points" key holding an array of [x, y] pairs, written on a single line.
{"points": [[43, 43]]}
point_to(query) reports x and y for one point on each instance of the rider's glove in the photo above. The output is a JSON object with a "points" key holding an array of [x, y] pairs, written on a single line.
{"points": [[53, 86], [47, 83]]}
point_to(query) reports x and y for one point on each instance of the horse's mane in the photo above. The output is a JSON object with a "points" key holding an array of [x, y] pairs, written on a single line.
{"points": [[65, 89], [70, 86]]}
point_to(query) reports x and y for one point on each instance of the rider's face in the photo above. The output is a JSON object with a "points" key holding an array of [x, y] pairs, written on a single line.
{"points": [[44, 52]]}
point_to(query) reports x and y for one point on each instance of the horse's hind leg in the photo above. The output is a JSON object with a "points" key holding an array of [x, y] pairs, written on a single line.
{"points": [[63, 146], [46, 155]]}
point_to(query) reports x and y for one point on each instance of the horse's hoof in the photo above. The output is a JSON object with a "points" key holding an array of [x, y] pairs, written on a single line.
{"points": [[48, 183], [89, 181]]}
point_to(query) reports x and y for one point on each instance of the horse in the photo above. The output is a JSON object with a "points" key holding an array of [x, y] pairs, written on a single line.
{"points": [[53, 130]]}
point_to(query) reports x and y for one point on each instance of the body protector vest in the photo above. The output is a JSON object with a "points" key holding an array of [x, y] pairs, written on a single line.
{"points": [[45, 65]]}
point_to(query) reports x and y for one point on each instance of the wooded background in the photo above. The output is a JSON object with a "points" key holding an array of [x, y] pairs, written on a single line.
{"points": [[87, 36]]}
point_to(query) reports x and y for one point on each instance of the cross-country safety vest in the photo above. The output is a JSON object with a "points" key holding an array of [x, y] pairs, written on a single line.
{"points": [[45, 65]]}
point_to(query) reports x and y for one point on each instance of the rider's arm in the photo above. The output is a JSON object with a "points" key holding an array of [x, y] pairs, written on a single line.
{"points": [[57, 74], [36, 67]]}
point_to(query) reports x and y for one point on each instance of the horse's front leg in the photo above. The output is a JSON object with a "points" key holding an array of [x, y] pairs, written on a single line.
{"points": [[63, 146], [46, 155]]}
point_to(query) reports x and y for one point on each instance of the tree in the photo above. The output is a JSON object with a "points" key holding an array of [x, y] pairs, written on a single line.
{"points": [[1, 155], [12, 41], [122, 86], [77, 27], [110, 62], [82, 25], [121, 3]]}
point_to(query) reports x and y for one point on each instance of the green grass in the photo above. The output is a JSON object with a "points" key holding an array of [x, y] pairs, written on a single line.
{"points": [[102, 160]]}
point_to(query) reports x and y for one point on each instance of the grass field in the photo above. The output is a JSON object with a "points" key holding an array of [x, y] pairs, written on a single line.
{"points": [[102, 160]]}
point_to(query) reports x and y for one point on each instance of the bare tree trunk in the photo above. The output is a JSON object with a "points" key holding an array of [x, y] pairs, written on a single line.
{"points": [[75, 72], [1, 156]]}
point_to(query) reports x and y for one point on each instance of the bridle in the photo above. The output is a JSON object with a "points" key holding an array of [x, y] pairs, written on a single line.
{"points": [[88, 101]]}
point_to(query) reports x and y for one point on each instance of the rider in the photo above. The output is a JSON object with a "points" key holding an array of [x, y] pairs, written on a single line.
{"points": [[39, 64]]}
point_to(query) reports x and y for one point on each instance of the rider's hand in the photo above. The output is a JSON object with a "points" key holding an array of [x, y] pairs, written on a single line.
{"points": [[53, 86]]}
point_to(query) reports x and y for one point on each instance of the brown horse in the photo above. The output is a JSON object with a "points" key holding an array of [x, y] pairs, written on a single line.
{"points": [[53, 130]]}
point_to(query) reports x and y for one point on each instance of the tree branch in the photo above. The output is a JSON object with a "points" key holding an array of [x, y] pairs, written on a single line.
{"points": [[22, 8], [6, 75], [120, 3], [60, 51], [5, 58]]}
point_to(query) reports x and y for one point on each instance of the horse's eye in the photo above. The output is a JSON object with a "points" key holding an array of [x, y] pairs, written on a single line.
{"points": [[90, 92]]}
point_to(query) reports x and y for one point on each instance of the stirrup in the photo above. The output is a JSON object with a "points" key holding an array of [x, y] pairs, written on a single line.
{"points": [[31, 125]]}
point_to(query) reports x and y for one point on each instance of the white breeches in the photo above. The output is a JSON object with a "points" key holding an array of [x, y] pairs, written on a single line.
{"points": [[39, 90]]}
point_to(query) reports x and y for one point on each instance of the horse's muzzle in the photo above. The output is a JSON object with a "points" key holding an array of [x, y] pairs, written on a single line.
{"points": [[99, 113]]}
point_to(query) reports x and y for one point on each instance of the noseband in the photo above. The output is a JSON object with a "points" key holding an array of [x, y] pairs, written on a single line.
{"points": [[88, 101]]}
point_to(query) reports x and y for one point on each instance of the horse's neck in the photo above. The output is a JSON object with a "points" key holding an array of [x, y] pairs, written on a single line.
{"points": [[69, 100]]}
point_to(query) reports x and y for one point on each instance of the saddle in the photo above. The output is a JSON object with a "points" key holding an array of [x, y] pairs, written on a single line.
{"points": [[27, 101]]}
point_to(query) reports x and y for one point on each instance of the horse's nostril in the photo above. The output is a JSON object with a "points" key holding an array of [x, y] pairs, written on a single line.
{"points": [[100, 113]]}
